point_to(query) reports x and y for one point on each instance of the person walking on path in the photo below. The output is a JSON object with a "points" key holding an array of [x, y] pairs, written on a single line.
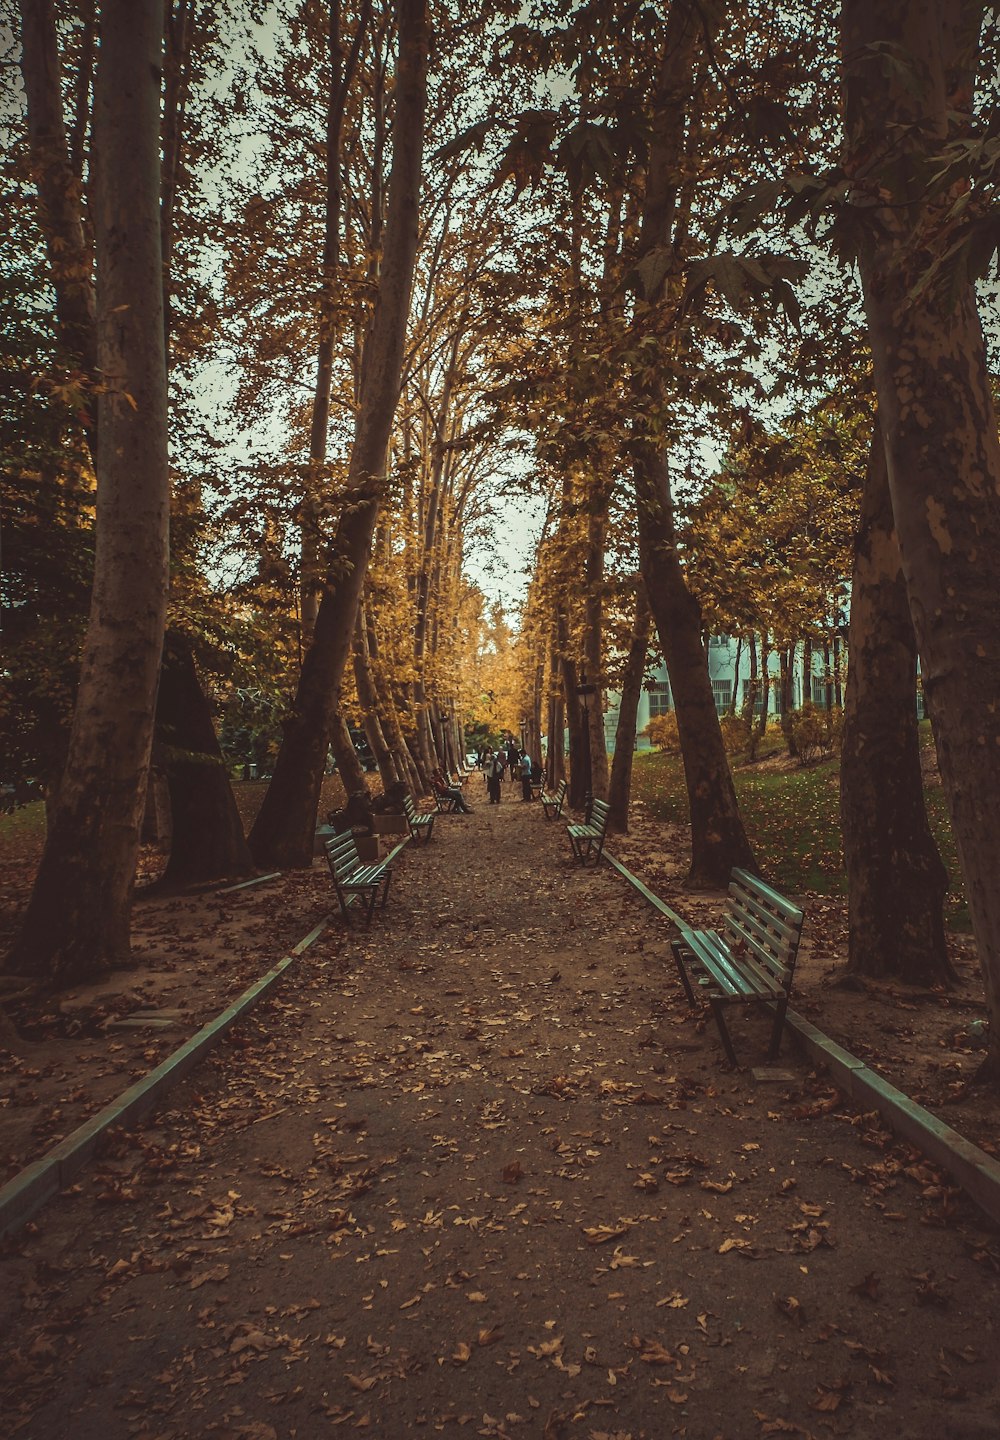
{"points": [[526, 769], [500, 758], [494, 778]]}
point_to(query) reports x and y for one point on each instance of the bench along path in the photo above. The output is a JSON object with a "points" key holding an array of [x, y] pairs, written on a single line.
{"points": [[475, 1171]]}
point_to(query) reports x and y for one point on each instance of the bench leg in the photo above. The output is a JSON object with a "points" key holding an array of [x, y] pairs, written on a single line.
{"points": [[385, 888], [720, 1020], [679, 950], [344, 907], [776, 1029], [372, 897]]}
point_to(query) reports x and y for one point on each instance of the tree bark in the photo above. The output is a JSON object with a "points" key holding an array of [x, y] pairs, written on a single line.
{"points": [[787, 682], [896, 881], [349, 767], [620, 786], [77, 922], [936, 408], [283, 832], [67, 249], [718, 839], [368, 697], [207, 841]]}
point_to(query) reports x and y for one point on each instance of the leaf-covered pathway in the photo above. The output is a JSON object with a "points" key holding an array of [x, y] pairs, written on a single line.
{"points": [[475, 1171]]}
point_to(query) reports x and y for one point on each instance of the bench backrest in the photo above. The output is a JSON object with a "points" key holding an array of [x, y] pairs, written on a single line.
{"points": [[342, 855], [409, 809], [763, 925], [561, 789], [599, 812]]}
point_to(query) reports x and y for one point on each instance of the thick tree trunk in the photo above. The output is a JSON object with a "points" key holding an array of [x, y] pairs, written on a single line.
{"points": [[718, 839], [807, 670], [896, 881], [734, 698], [620, 786], [937, 412], [77, 923], [758, 727], [283, 832], [207, 841]]}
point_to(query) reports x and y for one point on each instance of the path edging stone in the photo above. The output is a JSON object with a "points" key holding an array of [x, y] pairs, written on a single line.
{"points": [[29, 1190], [972, 1168]]}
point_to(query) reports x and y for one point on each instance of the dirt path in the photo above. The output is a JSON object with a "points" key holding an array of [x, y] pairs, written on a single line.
{"points": [[475, 1171]]}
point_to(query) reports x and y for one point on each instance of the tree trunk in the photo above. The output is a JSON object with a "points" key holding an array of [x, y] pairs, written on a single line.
{"points": [[311, 539], [349, 767], [734, 697], [807, 670], [207, 834], [594, 641], [67, 249], [896, 881], [787, 662], [368, 697], [77, 923], [718, 839], [937, 413], [620, 787], [283, 832]]}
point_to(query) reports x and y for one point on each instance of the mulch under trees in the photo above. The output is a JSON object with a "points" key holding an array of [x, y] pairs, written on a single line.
{"points": [[476, 1170]]}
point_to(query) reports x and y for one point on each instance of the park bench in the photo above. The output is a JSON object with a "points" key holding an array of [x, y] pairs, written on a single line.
{"points": [[588, 840], [752, 960], [420, 822], [552, 801], [355, 881], [446, 804]]}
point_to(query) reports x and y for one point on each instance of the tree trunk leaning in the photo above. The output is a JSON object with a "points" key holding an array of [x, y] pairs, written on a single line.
{"points": [[283, 832], [620, 786]]}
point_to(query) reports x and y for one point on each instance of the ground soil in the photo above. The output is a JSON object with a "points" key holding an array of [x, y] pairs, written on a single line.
{"points": [[477, 1170]]}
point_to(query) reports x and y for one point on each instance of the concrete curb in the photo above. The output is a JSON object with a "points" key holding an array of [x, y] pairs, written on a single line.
{"points": [[21, 1197], [977, 1173], [246, 884], [36, 1184]]}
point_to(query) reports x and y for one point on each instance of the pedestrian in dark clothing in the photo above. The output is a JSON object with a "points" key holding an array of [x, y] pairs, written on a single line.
{"points": [[494, 778], [526, 776]]}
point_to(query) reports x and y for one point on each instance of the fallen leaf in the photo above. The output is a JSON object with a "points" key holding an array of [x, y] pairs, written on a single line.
{"points": [[599, 1234]]}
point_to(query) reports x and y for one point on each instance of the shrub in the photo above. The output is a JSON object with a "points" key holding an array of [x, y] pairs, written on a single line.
{"points": [[662, 732], [811, 732], [735, 733]]}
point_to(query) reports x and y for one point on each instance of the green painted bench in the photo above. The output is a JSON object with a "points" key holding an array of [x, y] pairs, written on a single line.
{"points": [[552, 801], [588, 840], [750, 962], [420, 822], [356, 882]]}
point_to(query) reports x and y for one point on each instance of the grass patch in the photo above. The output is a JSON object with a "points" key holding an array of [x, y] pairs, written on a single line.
{"points": [[22, 833], [793, 821]]}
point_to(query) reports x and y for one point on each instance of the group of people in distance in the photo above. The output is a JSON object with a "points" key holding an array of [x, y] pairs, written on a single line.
{"points": [[508, 760]]}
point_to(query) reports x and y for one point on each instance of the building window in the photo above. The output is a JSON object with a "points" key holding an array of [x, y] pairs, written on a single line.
{"points": [[818, 691], [716, 642], [761, 697], [659, 698], [723, 691]]}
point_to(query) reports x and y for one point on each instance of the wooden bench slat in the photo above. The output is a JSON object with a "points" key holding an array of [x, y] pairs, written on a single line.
{"points": [[588, 840], [355, 879], [752, 961], [786, 929], [763, 891]]}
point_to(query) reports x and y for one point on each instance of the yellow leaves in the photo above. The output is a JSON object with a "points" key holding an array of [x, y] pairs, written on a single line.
{"points": [[734, 1244], [361, 1382], [216, 1274], [601, 1234], [462, 1353]]}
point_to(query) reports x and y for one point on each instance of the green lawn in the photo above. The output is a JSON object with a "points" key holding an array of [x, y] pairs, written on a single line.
{"points": [[793, 821]]}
